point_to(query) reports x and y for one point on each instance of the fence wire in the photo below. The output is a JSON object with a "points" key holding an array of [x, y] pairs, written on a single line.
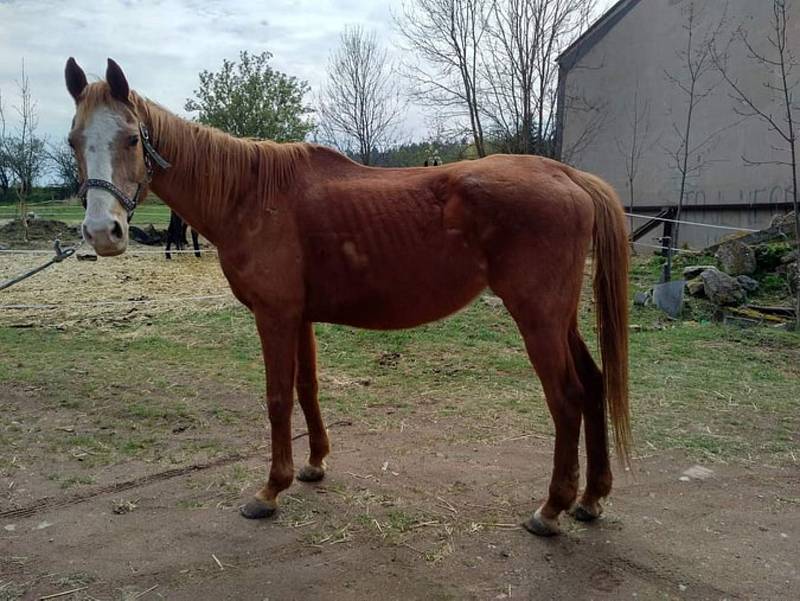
{"points": [[694, 223]]}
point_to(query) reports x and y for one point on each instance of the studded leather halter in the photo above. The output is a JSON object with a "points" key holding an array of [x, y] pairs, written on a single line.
{"points": [[129, 203]]}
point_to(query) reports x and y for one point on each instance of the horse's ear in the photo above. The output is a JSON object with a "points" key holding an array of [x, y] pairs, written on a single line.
{"points": [[117, 82], [75, 78]]}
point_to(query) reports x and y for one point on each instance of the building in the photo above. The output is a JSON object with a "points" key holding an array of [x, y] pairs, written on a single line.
{"points": [[623, 86]]}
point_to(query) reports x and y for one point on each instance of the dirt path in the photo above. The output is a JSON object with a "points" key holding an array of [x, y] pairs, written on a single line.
{"points": [[413, 515]]}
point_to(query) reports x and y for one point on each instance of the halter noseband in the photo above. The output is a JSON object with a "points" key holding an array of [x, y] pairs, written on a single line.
{"points": [[129, 203]]}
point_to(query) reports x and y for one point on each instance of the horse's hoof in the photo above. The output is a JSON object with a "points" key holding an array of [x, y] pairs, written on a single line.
{"points": [[583, 514], [256, 509], [542, 526], [311, 473]]}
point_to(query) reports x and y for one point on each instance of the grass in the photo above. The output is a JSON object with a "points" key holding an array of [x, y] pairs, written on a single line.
{"points": [[151, 211]]}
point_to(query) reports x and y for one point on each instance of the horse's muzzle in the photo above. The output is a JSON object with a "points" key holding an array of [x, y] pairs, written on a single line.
{"points": [[108, 237]]}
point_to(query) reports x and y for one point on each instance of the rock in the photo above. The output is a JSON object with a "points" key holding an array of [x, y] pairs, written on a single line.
{"points": [[748, 283], [693, 271], [722, 289], [780, 230], [736, 258], [770, 256], [492, 301], [698, 472], [783, 221], [696, 287], [793, 271], [789, 257]]}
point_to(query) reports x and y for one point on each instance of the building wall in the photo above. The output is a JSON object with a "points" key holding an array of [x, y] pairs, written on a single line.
{"points": [[632, 64]]}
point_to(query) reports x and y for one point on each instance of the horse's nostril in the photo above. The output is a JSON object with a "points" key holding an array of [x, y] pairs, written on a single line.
{"points": [[116, 231], [86, 234]]}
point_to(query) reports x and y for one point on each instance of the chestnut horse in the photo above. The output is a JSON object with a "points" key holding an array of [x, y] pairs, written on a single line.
{"points": [[306, 235]]}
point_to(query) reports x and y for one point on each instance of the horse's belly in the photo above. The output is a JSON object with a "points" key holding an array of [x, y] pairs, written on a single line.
{"points": [[399, 290]]}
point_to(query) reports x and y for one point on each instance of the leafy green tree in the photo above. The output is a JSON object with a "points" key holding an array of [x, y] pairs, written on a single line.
{"points": [[251, 99]]}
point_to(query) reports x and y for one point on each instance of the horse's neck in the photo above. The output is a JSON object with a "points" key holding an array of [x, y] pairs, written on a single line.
{"points": [[178, 186], [215, 175]]}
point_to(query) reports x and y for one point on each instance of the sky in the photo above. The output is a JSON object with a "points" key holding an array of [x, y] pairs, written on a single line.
{"points": [[162, 45]]}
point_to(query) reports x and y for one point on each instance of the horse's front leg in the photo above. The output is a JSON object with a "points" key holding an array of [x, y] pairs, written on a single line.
{"points": [[278, 335], [307, 395]]}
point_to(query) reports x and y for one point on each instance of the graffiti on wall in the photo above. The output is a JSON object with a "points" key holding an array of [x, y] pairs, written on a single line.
{"points": [[753, 196]]}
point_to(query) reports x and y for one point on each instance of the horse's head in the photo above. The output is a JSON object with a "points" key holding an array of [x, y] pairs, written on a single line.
{"points": [[106, 137]]}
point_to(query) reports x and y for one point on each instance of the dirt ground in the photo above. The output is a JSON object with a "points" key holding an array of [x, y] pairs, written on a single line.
{"points": [[415, 505], [405, 513]]}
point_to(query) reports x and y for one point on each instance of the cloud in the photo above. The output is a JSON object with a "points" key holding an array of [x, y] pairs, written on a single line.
{"points": [[163, 44]]}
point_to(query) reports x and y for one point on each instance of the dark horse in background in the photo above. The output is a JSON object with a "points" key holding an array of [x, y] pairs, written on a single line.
{"points": [[176, 235], [304, 234]]}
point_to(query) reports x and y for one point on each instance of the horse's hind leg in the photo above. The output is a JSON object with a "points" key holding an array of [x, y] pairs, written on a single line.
{"points": [[541, 290], [548, 349], [598, 467], [307, 395]]}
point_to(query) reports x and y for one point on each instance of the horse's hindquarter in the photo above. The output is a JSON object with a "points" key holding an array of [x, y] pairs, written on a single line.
{"points": [[387, 249], [534, 222]]}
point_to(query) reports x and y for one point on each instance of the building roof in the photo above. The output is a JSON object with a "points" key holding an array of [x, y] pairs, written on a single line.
{"points": [[595, 33]]}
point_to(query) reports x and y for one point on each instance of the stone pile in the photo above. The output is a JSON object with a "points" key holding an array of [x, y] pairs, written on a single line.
{"points": [[768, 251]]}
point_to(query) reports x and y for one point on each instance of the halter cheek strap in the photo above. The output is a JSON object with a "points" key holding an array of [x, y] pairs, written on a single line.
{"points": [[129, 203]]}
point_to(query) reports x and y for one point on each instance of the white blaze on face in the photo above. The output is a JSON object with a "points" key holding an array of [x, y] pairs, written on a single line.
{"points": [[100, 133], [105, 225]]}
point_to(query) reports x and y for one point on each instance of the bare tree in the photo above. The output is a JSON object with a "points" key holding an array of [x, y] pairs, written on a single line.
{"points": [[525, 38], [593, 112], [24, 152], [781, 62], [62, 159], [361, 102], [5, 167], [447, 37], [633, 144], [695, 82]]}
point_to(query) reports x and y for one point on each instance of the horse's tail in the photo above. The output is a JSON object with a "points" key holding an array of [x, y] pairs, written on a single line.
{"points": [[611, 256]]}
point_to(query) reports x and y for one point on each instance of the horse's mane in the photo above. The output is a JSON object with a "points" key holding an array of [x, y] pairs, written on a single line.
{"points": [[215, 164]]}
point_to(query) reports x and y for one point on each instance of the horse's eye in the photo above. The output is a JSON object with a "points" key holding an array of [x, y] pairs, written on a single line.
{"points": [[133, 141]]}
